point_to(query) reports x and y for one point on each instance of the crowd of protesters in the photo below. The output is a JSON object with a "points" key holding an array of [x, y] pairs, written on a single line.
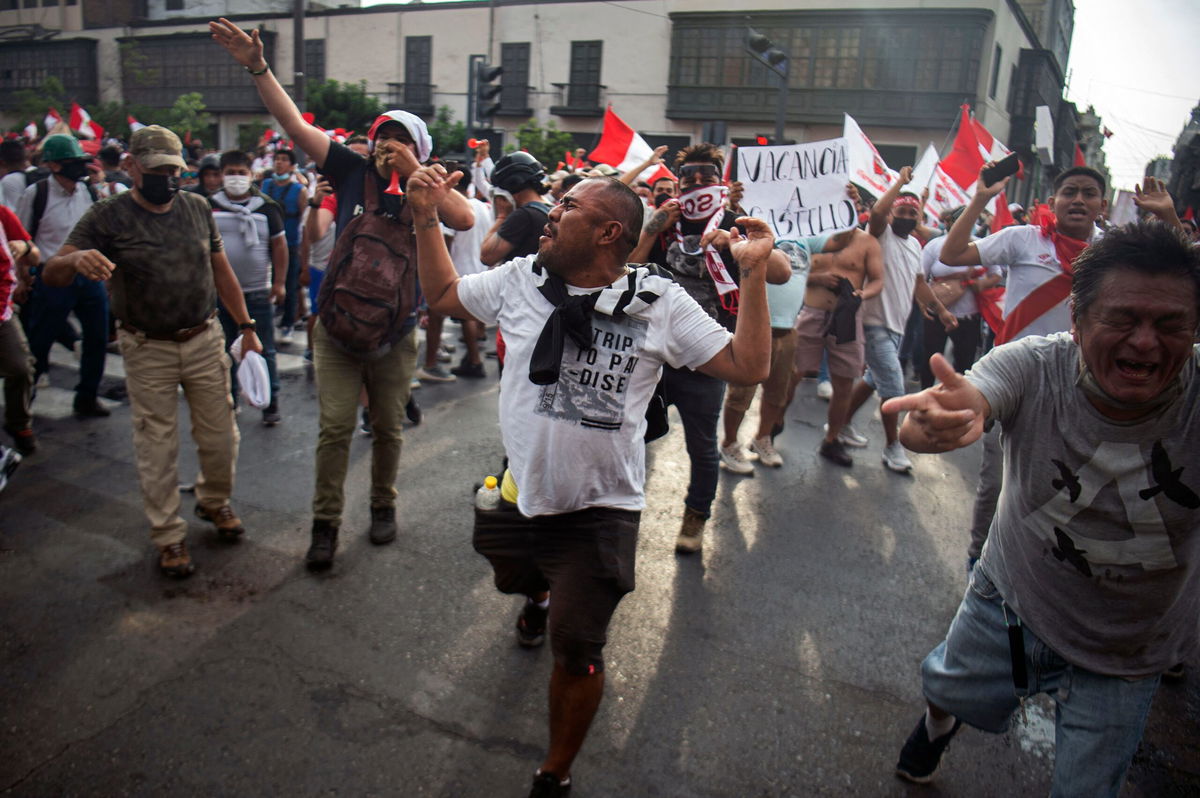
{"points": [[1084, 376]]}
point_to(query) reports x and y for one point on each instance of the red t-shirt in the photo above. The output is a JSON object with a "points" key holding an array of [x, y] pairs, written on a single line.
{"points": [[13, 231]]}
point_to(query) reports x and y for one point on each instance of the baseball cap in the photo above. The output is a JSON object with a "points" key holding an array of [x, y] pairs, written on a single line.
{"points": [[61, 147], [155, 146]]}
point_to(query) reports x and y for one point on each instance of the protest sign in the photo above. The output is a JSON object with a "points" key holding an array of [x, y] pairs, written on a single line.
{"points": [[798, 189]]}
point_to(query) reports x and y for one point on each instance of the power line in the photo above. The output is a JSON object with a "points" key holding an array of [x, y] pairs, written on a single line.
{"points": [[638, 10]]}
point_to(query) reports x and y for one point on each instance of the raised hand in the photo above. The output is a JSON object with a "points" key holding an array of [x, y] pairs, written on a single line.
{"points": [[1155, 199], [752, 248], [321, 190], [905, 175], [428, 186], [983, 189], [246, 49], [666, 215], [945, 417]]}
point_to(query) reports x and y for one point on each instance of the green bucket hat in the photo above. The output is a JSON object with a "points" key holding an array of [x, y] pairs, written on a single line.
{"points": [[61, 147]]}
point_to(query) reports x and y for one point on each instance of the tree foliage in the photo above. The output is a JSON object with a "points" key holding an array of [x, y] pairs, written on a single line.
{"points": [[344, 105], [546, 144], [448, 136], [32, 104]]}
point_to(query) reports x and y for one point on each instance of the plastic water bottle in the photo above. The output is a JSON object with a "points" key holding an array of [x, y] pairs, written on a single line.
{"points": [[488, 496]]}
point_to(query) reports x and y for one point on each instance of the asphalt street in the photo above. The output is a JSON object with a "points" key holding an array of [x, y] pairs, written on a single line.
{"points": [[783, 661]]}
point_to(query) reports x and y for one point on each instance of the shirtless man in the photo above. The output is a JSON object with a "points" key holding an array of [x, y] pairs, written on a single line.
{"points": [[831, 322]]}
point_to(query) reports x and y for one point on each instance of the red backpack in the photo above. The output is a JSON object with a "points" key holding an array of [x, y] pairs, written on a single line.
{"points": [[370, 285]]}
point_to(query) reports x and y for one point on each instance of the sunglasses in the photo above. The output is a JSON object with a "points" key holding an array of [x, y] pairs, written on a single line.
{"points": [[189, 174], [692, 170]]}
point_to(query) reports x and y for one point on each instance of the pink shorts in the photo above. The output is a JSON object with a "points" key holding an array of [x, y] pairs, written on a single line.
{"points": [[845, 360]]}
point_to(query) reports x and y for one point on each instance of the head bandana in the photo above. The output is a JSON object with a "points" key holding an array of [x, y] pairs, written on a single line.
{"points": [[413, 124], [911, 202]]}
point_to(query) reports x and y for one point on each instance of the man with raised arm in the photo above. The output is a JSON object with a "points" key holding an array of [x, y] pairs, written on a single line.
{"points": [[1089, 585], [345, 361], [587, 337]]}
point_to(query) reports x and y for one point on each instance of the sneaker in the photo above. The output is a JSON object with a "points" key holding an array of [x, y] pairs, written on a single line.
{"points": [[547, 785], [365, 429], [414, 384], [691, 532], [835, 452], [766, 452], [324, 544], [919, 757], [413, 411], [825, 390], [229, 526], [90, 408], [24, 440], [9, 460], [434, 374], [174, 561], [474, 371], [531, 625], [849, 436], [43, 381], [271, 415], [285, 336], [383, 525], [448, 346], [895, 458], [735, 460], [443, 355]]}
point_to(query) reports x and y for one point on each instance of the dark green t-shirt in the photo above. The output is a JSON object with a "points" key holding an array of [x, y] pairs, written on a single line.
{"points": [[163, 279]]}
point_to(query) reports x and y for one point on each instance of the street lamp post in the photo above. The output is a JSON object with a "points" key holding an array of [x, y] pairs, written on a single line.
{"points": [[776, 60]]}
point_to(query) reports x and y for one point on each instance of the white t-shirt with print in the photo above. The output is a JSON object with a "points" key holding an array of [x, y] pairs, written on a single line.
{"points": [[1032, 261], [578, 443], [901, 265]]}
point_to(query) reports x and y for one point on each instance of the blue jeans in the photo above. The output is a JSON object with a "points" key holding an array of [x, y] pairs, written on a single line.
{"points": [[258, 305], [291, 302], [883, 361], [48, 312], [1098, 720], [698, 398]]}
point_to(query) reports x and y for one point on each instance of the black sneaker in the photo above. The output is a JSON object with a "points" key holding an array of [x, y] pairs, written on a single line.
{"points": [[835, 452], [474, 371], [531, 625], [90, 408], [24, 441], [919, 757], [383, 525], [413, 411], [324, 544], [547, 785], [271, 415]]}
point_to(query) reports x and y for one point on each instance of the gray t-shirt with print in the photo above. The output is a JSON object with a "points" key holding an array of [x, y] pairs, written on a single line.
{"points": [[1096, 539]]}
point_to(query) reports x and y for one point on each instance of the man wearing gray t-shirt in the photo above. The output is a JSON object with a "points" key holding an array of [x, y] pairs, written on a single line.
{"points": [[1089, 583]]}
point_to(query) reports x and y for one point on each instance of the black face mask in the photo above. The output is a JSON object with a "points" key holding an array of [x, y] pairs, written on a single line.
{"points": [[159, 189], [659, 199], [903, 227], [73, 170]]}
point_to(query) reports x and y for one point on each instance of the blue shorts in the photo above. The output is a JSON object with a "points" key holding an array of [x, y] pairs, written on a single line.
{"points": [[315, 276], [883, 361], [1098, 720]]}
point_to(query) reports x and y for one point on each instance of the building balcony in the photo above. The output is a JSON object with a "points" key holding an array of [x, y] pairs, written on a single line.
{"points": [[580, 99]]}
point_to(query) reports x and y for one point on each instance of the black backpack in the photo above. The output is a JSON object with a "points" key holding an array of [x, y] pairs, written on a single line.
{"points": [[41, 196]]}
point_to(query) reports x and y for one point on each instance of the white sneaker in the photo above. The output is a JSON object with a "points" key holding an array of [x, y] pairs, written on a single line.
{"points": [[735, 460], [285, 335], [767, 455], [824, 390], [895, 458], [850, 437], [444, 355]]}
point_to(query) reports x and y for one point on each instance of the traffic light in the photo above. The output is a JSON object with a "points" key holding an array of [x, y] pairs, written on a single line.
{"points": [[487, 89], [761, 140], [765, 51]]}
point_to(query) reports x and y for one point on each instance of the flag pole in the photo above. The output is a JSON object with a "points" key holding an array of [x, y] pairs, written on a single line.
{"points": [[953, 130]]}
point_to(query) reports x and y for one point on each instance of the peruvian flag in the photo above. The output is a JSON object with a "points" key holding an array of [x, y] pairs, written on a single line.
{"points": [[30, 131], [134, 125], [944, 193], [868, 170], [53, 117], [1003, 217], [621, 147], [1079, 159], [973, 147], [82, 123]]}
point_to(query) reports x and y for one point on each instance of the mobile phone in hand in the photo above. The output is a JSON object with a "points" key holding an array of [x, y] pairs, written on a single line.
{"points": [[1000, 170]]}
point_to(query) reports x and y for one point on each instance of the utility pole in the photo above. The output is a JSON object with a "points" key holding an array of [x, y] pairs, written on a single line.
{"points": [[298, 79]]}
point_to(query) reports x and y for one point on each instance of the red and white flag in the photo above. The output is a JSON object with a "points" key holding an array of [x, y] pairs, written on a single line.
{"points": [[53, 117], [1002, 217], [30, 131], [944, 193], [621, 147], [82, 123], [868, 170], [973, 147], [134, 125]]}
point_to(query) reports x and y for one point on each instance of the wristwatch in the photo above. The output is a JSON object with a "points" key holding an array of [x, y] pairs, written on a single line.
{"points": [[248, 325]]}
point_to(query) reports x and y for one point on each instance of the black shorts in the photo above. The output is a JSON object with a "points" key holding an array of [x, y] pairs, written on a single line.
{"points": [[585, 559]]}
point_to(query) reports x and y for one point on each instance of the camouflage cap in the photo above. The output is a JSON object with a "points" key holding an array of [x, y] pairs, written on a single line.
{"points": [[154, 146], [61, 147]]}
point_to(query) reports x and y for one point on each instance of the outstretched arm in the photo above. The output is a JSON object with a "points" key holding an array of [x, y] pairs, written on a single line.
{"points": [[942, 418], [883, 205], [1154, 198], [958, 249]]}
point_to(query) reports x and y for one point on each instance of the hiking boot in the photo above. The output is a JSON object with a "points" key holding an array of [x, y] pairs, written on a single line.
{"points": [[691, 532], [735, 460], [383, 525], [474, 371], [896, 459], [24, 440], [434, 373], [531, 625], [767, 455], [271, 415], [850, 437], [547, 785], [90, 408], [919, 757], [174, 561], [413, 411], [835, 452], [9, 460], [229, 526], [324, 544]]}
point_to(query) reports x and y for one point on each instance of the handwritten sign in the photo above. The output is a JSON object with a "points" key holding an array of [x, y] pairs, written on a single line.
{"points": [[798, 189]]}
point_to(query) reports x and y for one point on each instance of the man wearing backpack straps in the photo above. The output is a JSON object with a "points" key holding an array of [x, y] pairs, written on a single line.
{"points": [[283, 186], [369, 343]]}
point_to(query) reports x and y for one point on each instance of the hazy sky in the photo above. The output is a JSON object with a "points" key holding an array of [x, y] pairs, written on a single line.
{"points": [[1136, 61]]}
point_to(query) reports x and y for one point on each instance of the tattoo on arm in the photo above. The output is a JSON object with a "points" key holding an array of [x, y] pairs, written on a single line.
{"points": [[426, 224], [656, 224]]}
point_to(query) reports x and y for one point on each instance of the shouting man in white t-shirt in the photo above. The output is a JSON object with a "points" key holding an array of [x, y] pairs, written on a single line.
{"points": [[587, 338]]}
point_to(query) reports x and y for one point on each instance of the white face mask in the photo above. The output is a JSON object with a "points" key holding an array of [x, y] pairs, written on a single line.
{"points": [[236, 185]]}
